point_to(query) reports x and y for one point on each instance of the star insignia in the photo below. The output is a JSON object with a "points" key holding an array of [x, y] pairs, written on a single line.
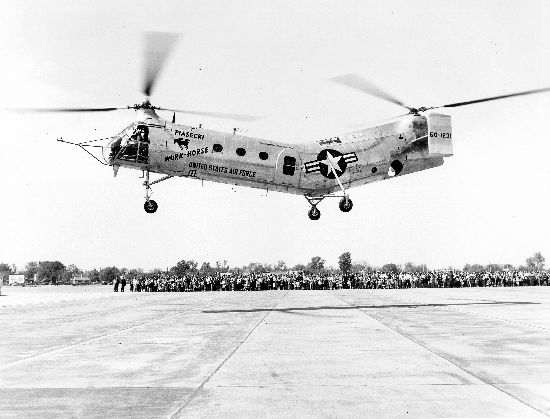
{"points": [[330, 161]]}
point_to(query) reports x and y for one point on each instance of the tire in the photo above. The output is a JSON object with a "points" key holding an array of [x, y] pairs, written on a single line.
{"points": [[345, 206], [314, 213], [150, 206]]}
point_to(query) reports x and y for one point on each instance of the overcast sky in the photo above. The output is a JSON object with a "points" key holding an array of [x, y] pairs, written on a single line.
{"points": [[489, 203]]}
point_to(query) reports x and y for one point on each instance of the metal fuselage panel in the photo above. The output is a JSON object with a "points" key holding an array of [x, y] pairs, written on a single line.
{"points": [[186, 151]]}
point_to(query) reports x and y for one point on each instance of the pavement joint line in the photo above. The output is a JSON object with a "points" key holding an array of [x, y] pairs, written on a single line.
{"points": [[498, 319], [442, 356], [201, 386], [397, 384], [105, 335], [408, 300]]}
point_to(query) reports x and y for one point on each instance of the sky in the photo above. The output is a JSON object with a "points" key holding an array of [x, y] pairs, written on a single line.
{"points": [[489, 203]]}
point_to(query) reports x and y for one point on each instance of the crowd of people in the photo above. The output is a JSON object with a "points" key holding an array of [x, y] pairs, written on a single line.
{"points": [[304, 281]]}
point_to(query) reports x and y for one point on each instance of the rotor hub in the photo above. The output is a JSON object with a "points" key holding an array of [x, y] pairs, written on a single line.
{"points": [[145, 105]]}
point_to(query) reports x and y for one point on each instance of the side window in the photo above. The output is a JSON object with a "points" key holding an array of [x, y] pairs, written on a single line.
{"points": [[241, 152], [289, 165], [263, 155], [217, 148]]}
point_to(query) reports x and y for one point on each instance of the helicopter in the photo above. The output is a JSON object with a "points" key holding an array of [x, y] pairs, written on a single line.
{"points": [[326, 168]]}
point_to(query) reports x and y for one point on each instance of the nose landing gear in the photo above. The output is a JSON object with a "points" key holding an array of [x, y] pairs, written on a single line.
{"points": [[150, 205]]}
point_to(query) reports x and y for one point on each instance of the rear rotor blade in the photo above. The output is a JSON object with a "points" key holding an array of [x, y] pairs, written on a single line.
{"points": [[157, 47], [237, 117], [487, 99], [379, 121], [354, 81]]}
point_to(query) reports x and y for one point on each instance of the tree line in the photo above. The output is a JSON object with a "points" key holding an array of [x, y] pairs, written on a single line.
{"points": [[55, 272]]}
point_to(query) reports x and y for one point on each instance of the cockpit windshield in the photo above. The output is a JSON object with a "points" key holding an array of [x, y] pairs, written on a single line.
{"points": [[131, 145]]}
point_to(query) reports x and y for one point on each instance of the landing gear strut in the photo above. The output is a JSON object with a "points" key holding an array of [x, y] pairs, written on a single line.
{"points": [[150, 205]]}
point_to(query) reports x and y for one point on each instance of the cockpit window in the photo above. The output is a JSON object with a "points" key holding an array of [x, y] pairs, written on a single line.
{"points": [[132, 145]]}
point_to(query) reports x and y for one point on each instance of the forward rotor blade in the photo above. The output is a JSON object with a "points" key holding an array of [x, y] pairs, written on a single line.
{"points": [[157, 47], [28, 110], [354, 81], [237, 117], [487, 99]]}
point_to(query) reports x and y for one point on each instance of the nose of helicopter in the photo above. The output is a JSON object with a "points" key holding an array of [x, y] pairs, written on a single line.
{"points": [[112, 149]]}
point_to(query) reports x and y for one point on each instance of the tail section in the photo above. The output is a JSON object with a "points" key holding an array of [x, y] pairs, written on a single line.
{"points": [[440, 138]]}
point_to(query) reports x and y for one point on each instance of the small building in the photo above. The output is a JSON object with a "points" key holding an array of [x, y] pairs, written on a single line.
{"points": [[81, 280], [16, 279]]}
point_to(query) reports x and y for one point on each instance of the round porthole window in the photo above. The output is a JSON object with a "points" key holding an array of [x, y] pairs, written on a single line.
{"points": [[217, 148], [241, 152], [263, 155]]}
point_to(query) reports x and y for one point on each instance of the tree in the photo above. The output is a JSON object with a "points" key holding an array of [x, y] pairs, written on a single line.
{"points": [[50, 272], [344, 263], [221, 266], [493, 267], [391, 267], [361, 266], [408, 267], [71, 271], [412, 268], [473, 268], [93, 275], [5, 271], [135, 272], [421, 268], [316, 265], [31, 269], [257, 267], [299, 267], [184, 267], [535, 262], [280, 266], [206, 269], [109, 274]]}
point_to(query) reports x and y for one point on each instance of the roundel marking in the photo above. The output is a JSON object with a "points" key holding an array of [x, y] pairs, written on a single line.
{"points": [[326, 158]]}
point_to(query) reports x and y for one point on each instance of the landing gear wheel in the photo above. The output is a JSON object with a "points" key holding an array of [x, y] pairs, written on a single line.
{"points": [[150, 206], [314, 213], [345, 205]]}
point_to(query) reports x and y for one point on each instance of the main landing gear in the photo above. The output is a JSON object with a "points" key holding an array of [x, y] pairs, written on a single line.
{"points": [[345, 203], [314, 213], [150, 205]]}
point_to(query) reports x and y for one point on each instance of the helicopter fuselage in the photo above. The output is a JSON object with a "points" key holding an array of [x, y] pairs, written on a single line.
{"points": [[404, 145]]}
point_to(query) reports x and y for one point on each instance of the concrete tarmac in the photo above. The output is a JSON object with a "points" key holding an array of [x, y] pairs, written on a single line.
{"points": [[89, 352]]}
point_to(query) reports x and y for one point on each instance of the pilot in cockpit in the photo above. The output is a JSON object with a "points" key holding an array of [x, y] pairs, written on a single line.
{"points": [[141, 134], [131, 145], [142, 137]]}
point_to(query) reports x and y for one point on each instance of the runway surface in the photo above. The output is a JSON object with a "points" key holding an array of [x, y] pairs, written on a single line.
{"points": [[89, 352]]}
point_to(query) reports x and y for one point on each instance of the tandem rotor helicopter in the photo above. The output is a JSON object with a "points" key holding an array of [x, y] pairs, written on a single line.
{"points": [[322, 169]]}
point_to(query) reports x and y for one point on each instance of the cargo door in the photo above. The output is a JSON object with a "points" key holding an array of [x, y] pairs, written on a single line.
{"points": [[288, 168]]}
